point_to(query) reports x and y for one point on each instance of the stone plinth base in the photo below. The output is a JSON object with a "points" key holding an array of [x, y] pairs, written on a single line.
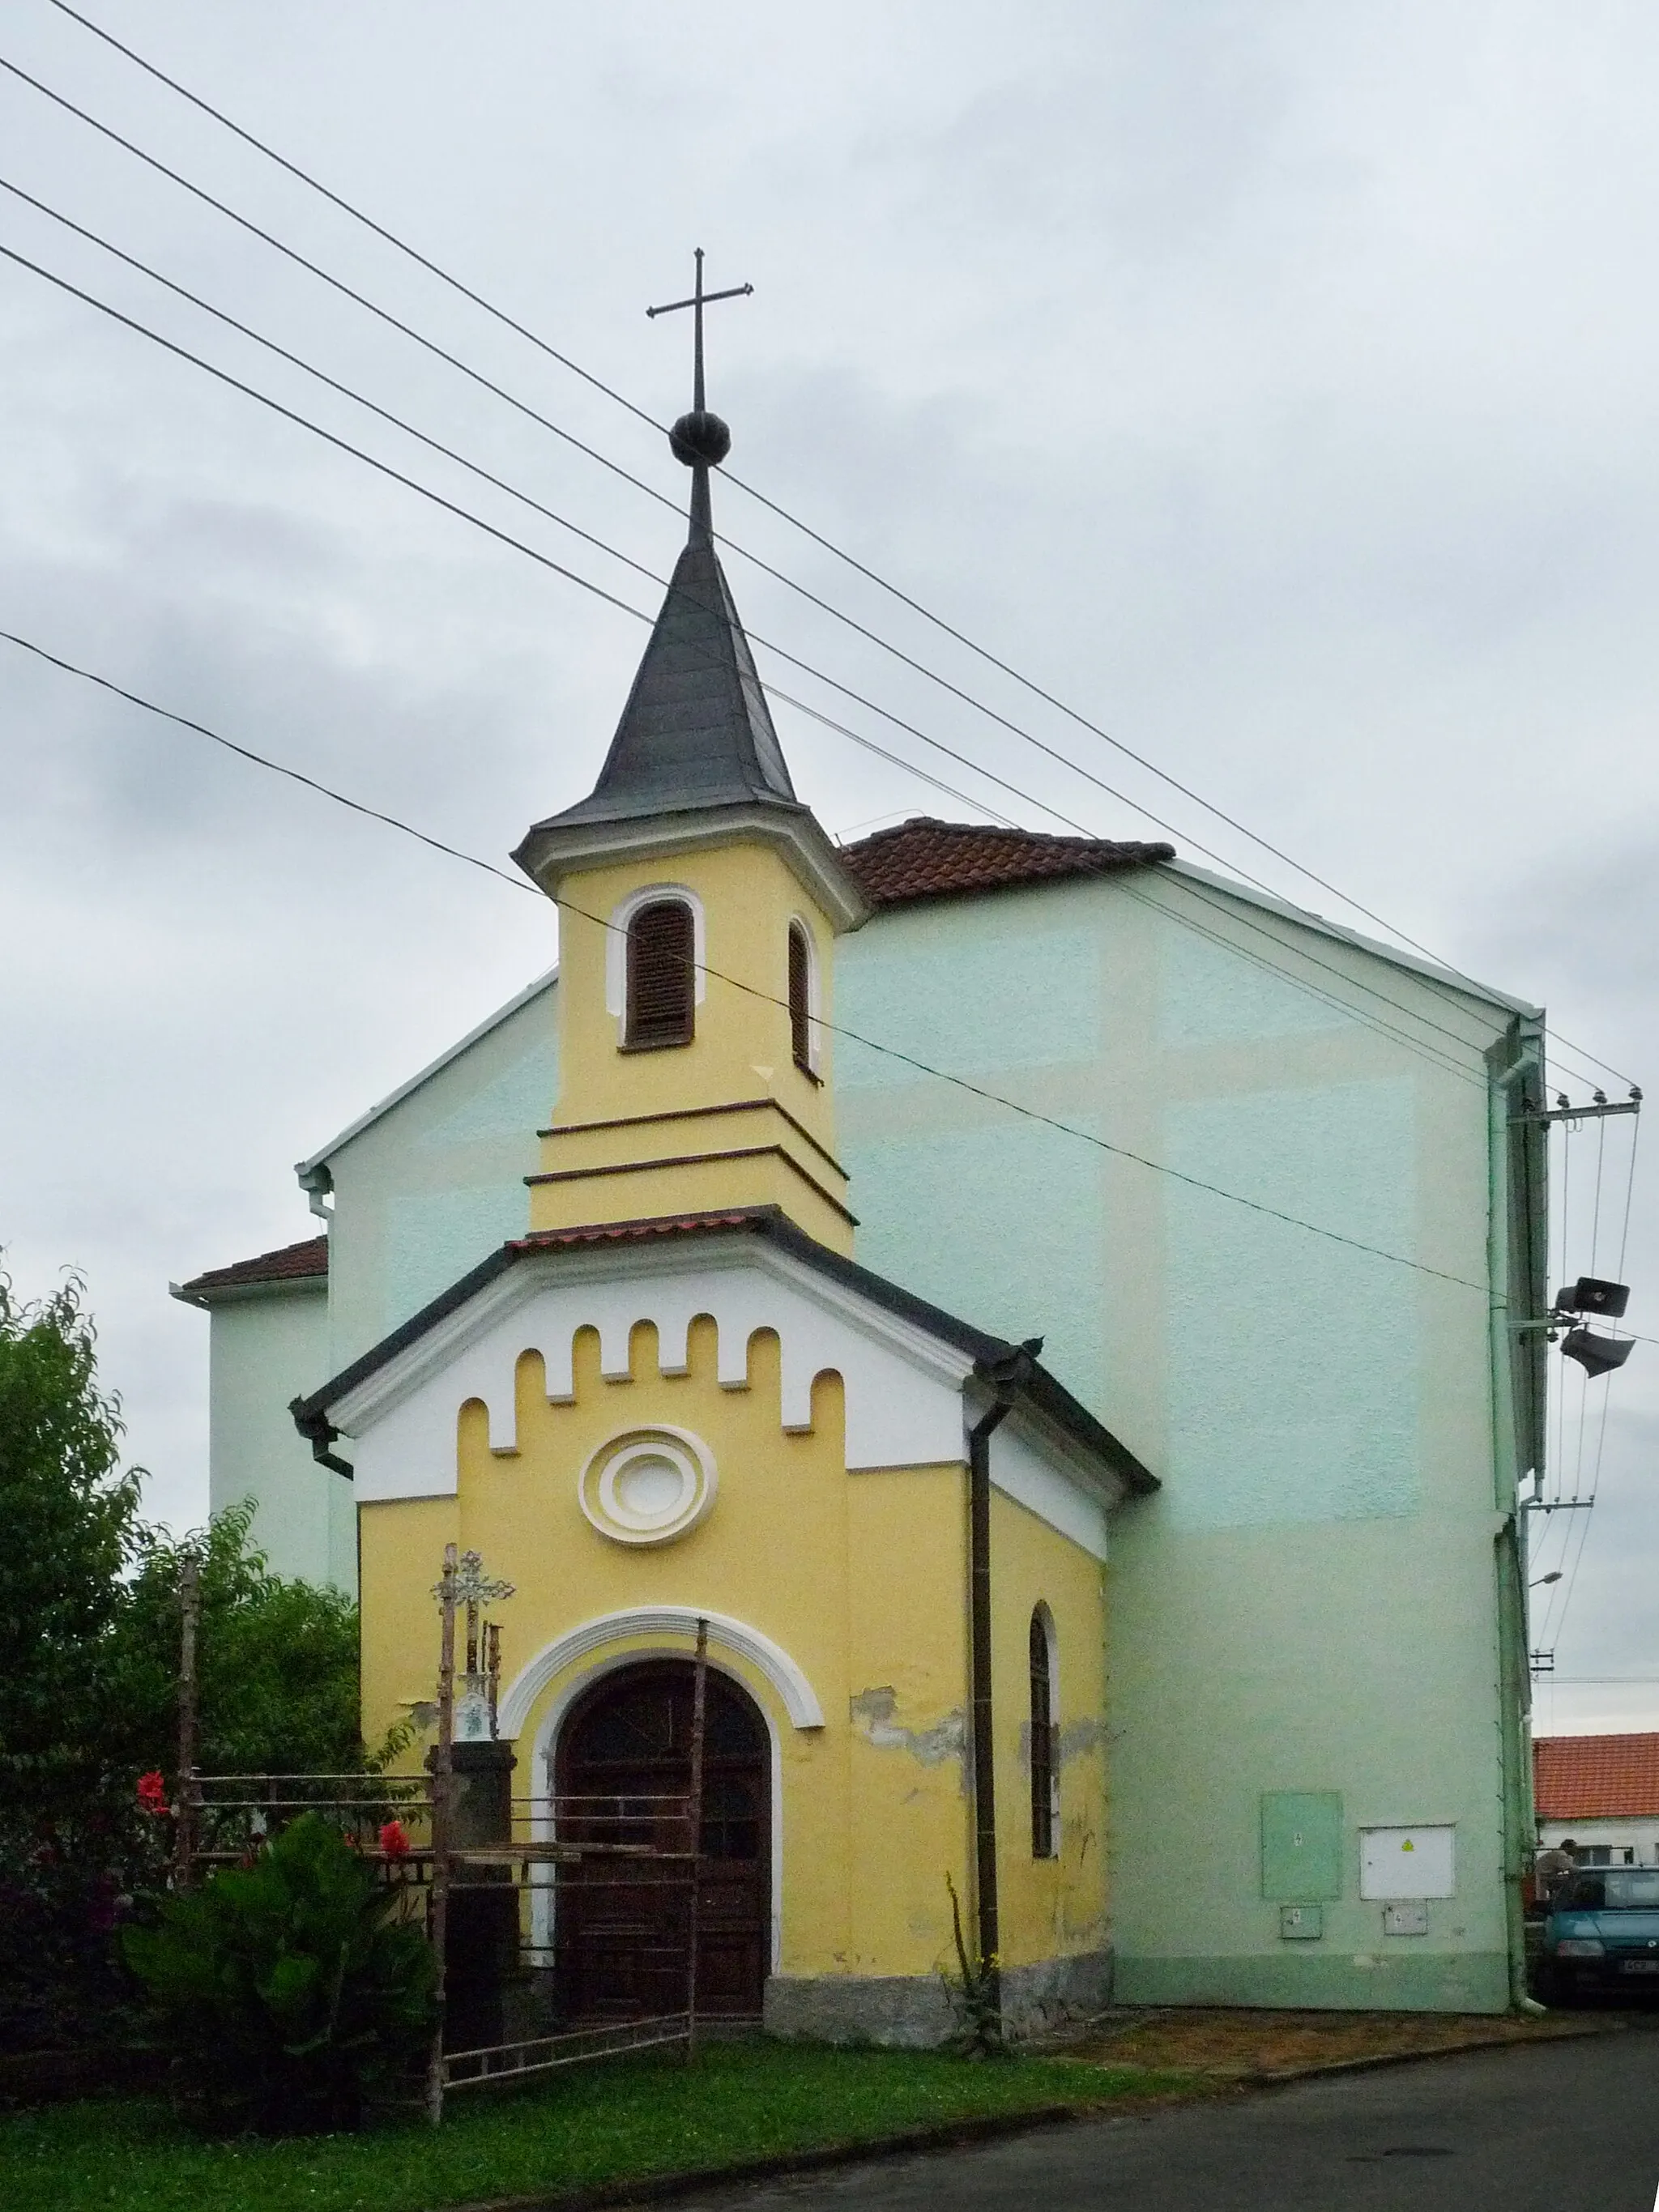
{"points": [[914, 2011]]}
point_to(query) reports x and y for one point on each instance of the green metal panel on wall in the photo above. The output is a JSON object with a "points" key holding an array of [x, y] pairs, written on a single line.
{"points": [[1301, 1845]]}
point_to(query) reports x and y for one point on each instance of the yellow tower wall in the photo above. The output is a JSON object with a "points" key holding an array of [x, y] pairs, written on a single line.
{"points": [[726, 1120]]}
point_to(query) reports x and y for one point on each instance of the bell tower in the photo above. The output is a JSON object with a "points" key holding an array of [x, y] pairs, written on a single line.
{"points": [[699, 901]]}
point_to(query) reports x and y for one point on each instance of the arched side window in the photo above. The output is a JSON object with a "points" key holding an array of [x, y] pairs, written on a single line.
{"points": [[661, 976], [801, 997], [1045, 1763]]}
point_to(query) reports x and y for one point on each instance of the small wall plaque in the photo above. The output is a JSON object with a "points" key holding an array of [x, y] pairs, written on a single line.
{"points": [[1301, 1924]]}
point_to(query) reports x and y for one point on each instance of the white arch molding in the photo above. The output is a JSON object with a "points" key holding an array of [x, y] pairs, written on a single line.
{"points": [[795, 1693]]}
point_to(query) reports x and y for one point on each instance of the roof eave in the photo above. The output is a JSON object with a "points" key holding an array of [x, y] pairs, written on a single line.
{"points": [[208, 1295], [556, 848], [1415, 964]]}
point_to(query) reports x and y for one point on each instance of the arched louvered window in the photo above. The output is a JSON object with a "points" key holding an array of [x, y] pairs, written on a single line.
{"points": [[800, 998], [1043, 1761], [661, 975]]}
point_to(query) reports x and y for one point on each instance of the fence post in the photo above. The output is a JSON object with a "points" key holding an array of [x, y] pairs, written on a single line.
{"points": [[442, 1765], [184, 1818], [699, 1718]]}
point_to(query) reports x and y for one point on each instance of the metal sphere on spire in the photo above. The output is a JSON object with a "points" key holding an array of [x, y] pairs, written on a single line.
{"points": [[700, 438]]}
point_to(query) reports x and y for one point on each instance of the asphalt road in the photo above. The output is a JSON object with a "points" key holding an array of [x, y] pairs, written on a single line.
{"points": [[1570, 2127]]}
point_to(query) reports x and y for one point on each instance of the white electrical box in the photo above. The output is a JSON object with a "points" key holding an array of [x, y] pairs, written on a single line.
{"points": [[1402, 1863]]}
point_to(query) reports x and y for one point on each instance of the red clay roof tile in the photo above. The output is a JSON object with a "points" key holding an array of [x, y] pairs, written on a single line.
{"points": [[1597, 1778], [293, 1263], [925, 859], [639, 1232]]}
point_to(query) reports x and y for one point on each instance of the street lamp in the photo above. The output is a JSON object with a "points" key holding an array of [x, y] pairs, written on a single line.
{"points": [[1542, 1579]]}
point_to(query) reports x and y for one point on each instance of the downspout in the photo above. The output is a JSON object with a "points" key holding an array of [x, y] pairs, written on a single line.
{"points": [[1006, 1376], [320, 1432]]}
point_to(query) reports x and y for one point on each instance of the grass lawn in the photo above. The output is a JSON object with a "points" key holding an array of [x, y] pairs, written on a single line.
{"points": [[621, 2119]]}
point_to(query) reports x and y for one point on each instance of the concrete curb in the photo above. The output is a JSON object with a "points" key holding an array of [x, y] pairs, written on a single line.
{"points": [[1565, 2034]]}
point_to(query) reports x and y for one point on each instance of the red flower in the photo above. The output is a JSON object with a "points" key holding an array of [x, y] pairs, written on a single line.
{"points": [[394, 1842], [351, 1837], [153, 1791]]}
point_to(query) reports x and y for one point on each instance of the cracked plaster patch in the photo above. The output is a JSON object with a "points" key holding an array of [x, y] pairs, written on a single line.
{"points": [[873, 1711]]}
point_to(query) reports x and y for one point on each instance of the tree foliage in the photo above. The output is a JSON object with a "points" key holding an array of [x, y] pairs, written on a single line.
{"points": [[293, 1989], [277, 1661], [89, 1630], [69, 1526]]}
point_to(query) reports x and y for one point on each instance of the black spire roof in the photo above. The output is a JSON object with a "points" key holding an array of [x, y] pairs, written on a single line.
{"points": [[697, 730], [695, 757]]}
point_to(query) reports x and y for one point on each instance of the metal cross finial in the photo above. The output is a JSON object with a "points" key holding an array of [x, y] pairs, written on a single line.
{"points": [[466, 1582], [698, 300]]}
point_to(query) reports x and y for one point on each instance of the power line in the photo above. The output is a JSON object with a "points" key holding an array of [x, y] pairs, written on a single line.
{"points": [[836, 1028], [264, 760], [500, 391], [465, 515], [1387, 1030], [512, 491], [566, 361], [449, 452], [1607, 1396]]}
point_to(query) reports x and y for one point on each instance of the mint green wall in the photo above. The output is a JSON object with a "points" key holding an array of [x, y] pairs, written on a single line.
{"points": [[1309, 1604], [1292, 1361], [434, 1184], [263, 1350]]}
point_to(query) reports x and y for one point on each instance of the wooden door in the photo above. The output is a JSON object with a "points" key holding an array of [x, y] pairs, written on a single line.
{"points": [[622, 1929]]}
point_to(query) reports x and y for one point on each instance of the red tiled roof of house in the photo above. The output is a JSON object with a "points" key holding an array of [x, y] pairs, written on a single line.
{"points": [[1597, 1778], [925, 859], [293, 1263]]}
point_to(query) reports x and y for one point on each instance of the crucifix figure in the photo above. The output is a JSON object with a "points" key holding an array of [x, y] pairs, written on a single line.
{"points": [[700, 440]]}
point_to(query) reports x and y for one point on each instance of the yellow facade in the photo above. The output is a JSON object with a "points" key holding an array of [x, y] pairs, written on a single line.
{"points": [[861, 1578], [728, 1120]]}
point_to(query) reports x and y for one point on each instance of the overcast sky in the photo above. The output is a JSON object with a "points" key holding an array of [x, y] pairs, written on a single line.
{"points": [[1275, 382]]}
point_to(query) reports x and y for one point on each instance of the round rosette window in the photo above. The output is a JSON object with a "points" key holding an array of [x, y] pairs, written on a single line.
{"points": [[649, 1486]]}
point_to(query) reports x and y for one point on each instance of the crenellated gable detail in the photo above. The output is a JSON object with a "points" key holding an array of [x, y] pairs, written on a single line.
{"points": [[903, 1388]]}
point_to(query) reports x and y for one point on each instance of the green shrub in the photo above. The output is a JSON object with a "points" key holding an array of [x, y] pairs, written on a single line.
{"points": [[293, 1990]]}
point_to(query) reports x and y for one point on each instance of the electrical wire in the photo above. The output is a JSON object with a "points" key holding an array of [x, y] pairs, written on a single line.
{"points": [[551, 514], [500, 391], [566, 361], [836, 1028], [1426, 1051], [1607, 1394], [465, 515]]}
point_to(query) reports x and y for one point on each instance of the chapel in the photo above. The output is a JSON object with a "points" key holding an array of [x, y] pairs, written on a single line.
{"points": [[680, 1398], [1058, 1328]]}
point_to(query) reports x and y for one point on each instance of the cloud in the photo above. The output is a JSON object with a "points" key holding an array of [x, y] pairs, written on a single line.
{"points": [[1268, 382]]}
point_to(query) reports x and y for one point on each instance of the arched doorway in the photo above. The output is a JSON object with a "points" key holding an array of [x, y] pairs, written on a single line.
{"points": [[620, 1946]]}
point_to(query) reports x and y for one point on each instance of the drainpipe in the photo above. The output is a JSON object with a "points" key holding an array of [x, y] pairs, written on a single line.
{"points": [[1007, 1377], [319, 1432]]}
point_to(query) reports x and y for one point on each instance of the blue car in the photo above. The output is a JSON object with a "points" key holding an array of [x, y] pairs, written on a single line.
{"points": [[1602, 1935]]}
